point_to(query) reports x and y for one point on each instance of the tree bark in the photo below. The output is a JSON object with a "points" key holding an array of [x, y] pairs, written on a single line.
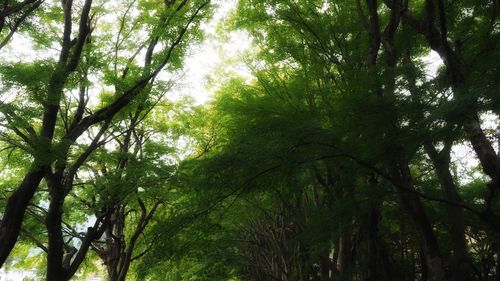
{"points": [[345, 257], [411, 203], [55, 269], [326, 267], [378, 265], [438, 41], [460, 270], [14, 212]]}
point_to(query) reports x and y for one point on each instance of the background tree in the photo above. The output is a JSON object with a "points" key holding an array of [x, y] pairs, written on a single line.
{"points": [[340, 93]]}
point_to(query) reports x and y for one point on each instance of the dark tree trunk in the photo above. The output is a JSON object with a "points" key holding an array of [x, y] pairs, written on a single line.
{"points": [[378, 265], [460, 268], [438, 41], [345, 257], [55, 269], [412, 205], [326, 267], [112, 254], [423, 266], [14, 211]]}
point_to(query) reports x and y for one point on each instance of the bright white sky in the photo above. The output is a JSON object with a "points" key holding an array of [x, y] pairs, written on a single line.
{"points": [[207, 57]]}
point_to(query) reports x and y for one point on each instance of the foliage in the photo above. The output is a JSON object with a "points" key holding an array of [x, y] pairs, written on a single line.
{"points": [[338, 160]]}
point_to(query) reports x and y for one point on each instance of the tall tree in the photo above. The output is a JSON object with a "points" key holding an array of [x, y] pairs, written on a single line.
{"points": [[53, 159]]}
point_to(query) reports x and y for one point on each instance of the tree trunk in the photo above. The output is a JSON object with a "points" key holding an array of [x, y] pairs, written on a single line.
{"points": [[438, 41], [460, 268], [325, 267], [14, 211], [482, 146], [411, 203], [111, 259], [345, 257], [378, 265], [55, 269]]}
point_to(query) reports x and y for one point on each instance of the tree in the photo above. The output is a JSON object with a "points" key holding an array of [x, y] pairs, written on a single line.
{"points": [[340, 86], [133, 185], [53, 158], [340, 159]]}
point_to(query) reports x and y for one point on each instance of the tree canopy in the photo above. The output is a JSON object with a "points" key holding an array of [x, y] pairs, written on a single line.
{"points": [[362, 145]]}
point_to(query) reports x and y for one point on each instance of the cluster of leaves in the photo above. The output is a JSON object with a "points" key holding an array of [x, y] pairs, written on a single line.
{"points": [[335, 162]]}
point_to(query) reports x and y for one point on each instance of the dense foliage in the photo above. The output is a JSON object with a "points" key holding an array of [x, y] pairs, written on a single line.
{"points": [[347, 156]]}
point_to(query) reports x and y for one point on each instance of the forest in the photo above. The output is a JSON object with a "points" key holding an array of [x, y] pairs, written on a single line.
{"points": [[360, 142]]}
